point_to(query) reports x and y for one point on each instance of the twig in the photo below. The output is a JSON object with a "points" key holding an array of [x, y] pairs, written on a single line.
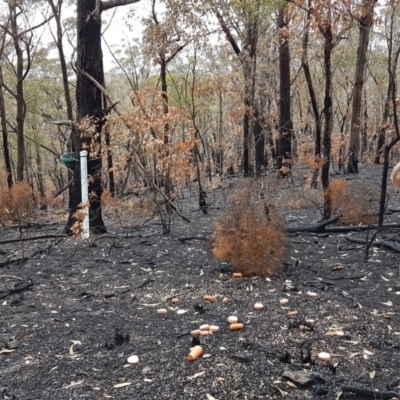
{"points": [[389, 246], [11, 277], [337, 278], [169, 201], [19, 288], [370, 393], [143, 284], [63, 189], [13, 260], [185, 238], [28, 238], [345, 294], [369, 242]]}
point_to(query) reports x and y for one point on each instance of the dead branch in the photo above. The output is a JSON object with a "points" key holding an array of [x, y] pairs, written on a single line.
{"points": [[143, 284], [320, 227], [169, 201], [186, 238], [11, 277], [18, 288], [62, 123], [346, 229], [63, 189], [390, 246], [370, 393], [13, 260], [28, 238], [369, 243]]}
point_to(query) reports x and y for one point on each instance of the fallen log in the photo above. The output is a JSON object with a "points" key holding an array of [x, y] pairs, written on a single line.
{"points": [[390, 246], [320, 227], [360, 228]]}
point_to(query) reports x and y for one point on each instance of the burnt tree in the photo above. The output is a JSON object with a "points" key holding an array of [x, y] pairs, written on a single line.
{"points": [[365, 24], [90, 106], [284, 148]]}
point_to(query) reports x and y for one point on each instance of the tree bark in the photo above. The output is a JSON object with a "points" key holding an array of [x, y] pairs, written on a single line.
{"points": [[20, 113], [365, 23], [56, 9], [259, 142], [391, 68], [247, 56], [326, 140], [4, 131], [90, 104], [89, 101], [313, 97], [285, 114]]}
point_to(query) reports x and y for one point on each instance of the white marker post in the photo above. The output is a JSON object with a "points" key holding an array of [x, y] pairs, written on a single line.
{"points": [[85, 194]]}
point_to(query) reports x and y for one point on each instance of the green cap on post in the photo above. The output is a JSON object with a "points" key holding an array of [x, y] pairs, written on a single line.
{"points": [[68, 159]]}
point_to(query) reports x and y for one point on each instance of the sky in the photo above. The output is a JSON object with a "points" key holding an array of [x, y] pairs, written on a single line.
{"points": [[119, 25], [124, 24]]}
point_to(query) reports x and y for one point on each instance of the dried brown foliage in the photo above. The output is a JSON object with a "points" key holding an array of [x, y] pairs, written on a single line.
{"points": [[79, 216], [395, 175], [138, 205], [354, 201], [249, 238], [16, 203], [311, 161]]}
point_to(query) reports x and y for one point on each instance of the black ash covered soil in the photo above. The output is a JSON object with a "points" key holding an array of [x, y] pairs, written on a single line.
{"points": [[73, 313]]}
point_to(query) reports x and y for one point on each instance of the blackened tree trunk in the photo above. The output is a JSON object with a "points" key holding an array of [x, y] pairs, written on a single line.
{"points": [[326, 139], [259, 139], [56, 8], [15, 12], [391, 100], [247, 56], [393, 57], [285, 115], [365, 24], [90, 105], [4, 131], [246, 137], [313, 97], [89, 100]]}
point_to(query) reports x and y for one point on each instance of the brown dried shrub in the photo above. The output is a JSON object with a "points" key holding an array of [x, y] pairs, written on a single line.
{"points": [[354, 201], [136, 205], [312, 161], [246, 236], [16, 203]]}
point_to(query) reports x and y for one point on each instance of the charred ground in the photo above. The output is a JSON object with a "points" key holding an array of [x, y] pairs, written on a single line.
{"points": [[72, 312]]}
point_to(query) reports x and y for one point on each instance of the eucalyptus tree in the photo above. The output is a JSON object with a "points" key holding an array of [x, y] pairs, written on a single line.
{"points": [[18, 27], [330, 21], [91, 107], [57, 8], [166, 34], [392, 130], [365, 19], [3, 115], [391, 33], [284, 148], [243, 23]]}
